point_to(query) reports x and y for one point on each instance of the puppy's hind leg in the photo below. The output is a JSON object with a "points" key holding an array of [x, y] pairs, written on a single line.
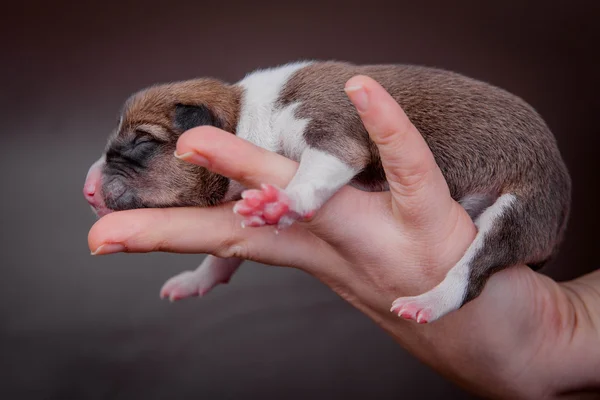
{"points": [[212, 272], [319, 176], [508, 233]]}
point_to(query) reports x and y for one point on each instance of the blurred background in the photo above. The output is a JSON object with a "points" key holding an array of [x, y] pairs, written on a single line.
{"points": [[77, 327]]}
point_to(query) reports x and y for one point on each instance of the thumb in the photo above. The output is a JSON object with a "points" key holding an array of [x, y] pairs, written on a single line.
{"points": [[419, 190]]}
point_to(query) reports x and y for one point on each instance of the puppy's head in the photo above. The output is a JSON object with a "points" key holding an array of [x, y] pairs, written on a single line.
{"points": [[138, 168]]}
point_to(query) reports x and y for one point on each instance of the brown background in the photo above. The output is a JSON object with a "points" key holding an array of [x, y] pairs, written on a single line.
{"points": [[73, 326]]}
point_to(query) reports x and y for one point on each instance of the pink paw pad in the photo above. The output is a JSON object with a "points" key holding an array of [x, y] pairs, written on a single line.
{"points": [[268, 206], [412, 310]]}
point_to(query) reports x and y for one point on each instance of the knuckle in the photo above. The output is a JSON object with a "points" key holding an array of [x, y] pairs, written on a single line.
{"points": [[150, 240], [109, 229], [237, 249], [132, 229], [416, 181], [396, 132], [389, 136], [411, 183], [233, 244]]}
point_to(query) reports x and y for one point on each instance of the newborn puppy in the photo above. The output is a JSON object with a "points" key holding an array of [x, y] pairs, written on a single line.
{"points": [[498, 156]]}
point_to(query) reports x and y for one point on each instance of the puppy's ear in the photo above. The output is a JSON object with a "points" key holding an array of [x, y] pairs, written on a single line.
{"points": [[188, 117]]}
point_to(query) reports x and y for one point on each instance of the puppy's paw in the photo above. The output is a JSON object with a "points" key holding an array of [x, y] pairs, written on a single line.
{"points": [[413, 309], [423, 309], [268, 206], [444, 298], [188, 284]]}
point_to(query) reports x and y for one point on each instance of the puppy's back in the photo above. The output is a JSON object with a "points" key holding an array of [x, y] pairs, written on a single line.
{"points": [[486, 141], [479, 134]]}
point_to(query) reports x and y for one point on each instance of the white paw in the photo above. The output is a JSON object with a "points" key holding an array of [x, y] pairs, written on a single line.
{"points": [[432, 305], [188, 284], [417, 308]]}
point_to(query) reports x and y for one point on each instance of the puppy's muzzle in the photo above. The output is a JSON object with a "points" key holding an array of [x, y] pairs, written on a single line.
{"points": [[92, 189]]}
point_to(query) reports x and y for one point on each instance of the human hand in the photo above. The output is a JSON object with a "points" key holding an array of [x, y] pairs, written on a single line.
{"points": [[374, 247]]}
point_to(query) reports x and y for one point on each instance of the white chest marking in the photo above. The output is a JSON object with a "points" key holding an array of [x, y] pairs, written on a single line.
{"points": [[261, 122]]}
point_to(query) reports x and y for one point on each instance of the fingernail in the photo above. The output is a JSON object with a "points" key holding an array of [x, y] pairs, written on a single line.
{"points": [[358, 96], [194, 158], [108, 248]]}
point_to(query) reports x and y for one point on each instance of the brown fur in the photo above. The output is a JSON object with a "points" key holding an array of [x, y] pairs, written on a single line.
{"points": [[486, 141], [483, 138], [157, 102], [166, 181]]}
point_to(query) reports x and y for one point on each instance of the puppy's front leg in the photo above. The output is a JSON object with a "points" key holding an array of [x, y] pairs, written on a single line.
{"points": [[319, 176], [210, 273]]}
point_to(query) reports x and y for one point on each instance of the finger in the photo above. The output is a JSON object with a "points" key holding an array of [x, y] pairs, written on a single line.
{"points": [[235, 158], [240, 160], [214, 230], [418, 188]]}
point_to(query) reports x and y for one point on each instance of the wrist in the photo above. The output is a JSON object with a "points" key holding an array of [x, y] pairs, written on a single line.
{"points": [[511, 342], [488, 347], [582, 337], [526, 336]]}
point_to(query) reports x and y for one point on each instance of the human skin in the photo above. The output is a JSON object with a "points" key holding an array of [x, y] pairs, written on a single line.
{"points": [[526, 336]]}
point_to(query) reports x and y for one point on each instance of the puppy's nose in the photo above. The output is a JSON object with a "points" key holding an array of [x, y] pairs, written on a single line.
{"points": [[89, 190], [91, 187]]}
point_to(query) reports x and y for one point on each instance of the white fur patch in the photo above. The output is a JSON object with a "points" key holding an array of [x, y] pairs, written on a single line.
{"points": [[453, 288], [290, 131], [319, 176], [450, 293], [260, 121]]}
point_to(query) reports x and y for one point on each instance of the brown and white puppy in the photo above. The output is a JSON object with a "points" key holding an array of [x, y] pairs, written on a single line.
{"points": [[498, 156]]}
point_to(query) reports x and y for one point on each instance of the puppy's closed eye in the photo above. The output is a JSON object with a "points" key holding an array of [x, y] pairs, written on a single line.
{"points": [[136, 152], [141, 148], [142, 138]]}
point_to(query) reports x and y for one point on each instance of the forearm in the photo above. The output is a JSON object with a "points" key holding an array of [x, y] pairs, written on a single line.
{"points": [[583, 340], [487, 347], [497, 348], [584, 293]]}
